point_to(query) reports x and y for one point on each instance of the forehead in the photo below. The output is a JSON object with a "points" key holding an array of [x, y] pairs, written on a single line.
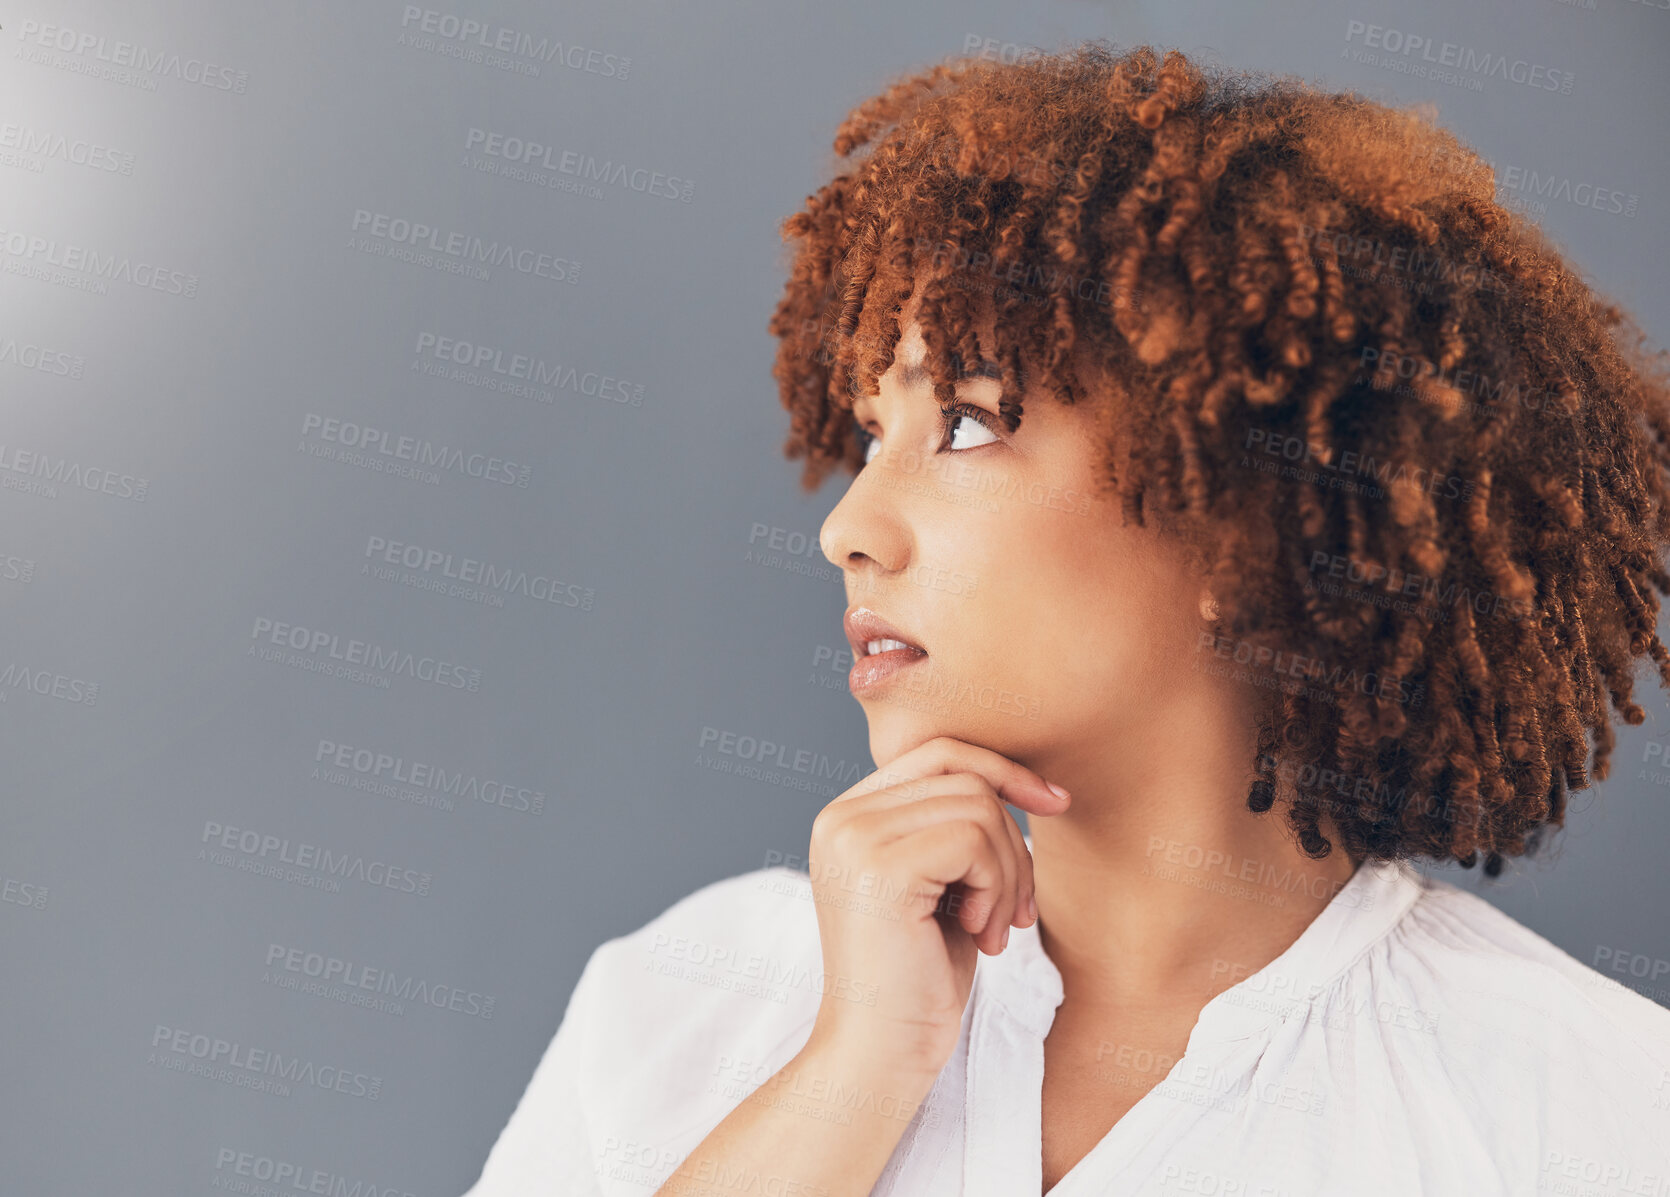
{"points": [[909, 369], [911, 350]]}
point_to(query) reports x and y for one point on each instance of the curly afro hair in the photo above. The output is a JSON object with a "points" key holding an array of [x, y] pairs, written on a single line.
{"points": [[1350, 375]]}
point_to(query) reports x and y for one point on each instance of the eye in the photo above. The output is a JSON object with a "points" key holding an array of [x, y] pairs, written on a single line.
{"points": [[952, 412], [951, 416], [867, 442]]}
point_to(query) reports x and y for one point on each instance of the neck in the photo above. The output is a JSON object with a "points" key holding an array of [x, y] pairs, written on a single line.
{"points": [[1158, 884]]}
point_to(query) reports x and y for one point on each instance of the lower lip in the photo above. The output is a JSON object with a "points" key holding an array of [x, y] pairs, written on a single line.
{"points": [[871, 671]]}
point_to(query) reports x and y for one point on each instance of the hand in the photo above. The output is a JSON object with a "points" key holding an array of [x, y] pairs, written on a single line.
{"points": [[912, 869]]}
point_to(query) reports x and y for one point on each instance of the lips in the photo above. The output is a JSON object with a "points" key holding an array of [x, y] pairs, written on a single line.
{"points": [[863, 625], [898, 652]]}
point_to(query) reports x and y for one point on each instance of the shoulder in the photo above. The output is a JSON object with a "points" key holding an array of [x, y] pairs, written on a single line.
{"points": [[663, 1034], [1496, 964], [749, 927], [675, 1015], [732, 947], [1547, 1048]]}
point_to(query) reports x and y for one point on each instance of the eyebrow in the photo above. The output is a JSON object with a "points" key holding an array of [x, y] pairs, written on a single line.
{"points": [[915, 375]]}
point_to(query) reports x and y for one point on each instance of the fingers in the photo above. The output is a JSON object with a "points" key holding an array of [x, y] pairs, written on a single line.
{"points": [[1017, 784], [959, 852], [982, 910], [880, 818], [944, 799], [1021, 916], [912, 794]]}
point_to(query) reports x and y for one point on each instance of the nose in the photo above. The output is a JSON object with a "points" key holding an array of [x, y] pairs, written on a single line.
{"points": [[867, 529]]}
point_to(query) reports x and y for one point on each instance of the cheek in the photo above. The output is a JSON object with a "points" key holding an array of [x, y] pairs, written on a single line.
{"points": [[1045, 602], [1078, 618]]}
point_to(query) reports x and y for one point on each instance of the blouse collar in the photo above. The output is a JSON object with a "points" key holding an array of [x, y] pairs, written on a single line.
{"points": [[1024, 980]]}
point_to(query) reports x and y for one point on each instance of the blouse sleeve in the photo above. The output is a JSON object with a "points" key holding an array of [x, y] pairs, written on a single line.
{"points": [[545, 1148]]}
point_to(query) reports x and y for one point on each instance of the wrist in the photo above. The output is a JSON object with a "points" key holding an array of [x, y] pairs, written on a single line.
{"points": [[872, 1072]]}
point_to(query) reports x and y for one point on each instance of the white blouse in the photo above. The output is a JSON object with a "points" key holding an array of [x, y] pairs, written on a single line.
{"points": [[1412, 1040]]}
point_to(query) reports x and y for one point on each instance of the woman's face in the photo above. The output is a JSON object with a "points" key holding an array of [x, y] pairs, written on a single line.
{"points": [[1048, 625]]}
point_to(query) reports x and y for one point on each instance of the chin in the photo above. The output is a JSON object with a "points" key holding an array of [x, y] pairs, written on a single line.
{"points": [[910, 710], [894, 732]]}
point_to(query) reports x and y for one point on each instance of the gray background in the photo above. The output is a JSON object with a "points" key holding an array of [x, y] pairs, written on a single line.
{"points": [[119, 928]]}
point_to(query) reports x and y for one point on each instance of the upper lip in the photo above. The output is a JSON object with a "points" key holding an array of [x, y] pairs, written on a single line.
{"points": [[863, 625]]}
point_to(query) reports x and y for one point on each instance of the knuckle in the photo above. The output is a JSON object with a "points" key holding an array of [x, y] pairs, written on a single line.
{"points": [[966, 804], [971, 837], [839, 839], [973, 783], [914, 789]]}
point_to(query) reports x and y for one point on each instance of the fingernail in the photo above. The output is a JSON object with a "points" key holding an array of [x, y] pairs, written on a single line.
{"points": [[1032, 906], [1059, 792], [1004, 942]]}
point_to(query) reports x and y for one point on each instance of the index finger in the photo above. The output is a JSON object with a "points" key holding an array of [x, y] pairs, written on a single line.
{"points": [[1014, 782]]}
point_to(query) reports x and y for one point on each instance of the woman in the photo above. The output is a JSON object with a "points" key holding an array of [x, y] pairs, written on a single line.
{"points": [[1332, 526]]}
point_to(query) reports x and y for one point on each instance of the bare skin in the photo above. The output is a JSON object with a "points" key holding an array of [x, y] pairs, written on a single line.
{"points": [[1061, 645]]}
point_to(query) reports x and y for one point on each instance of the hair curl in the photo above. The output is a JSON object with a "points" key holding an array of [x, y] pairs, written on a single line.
{"points": [[1223, 220]]}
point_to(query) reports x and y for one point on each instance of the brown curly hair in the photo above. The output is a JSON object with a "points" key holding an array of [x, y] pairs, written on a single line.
{"points": [[1252, 263]]}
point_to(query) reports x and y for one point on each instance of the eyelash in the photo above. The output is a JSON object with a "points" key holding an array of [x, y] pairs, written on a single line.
{"points": [[948, 413]]}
